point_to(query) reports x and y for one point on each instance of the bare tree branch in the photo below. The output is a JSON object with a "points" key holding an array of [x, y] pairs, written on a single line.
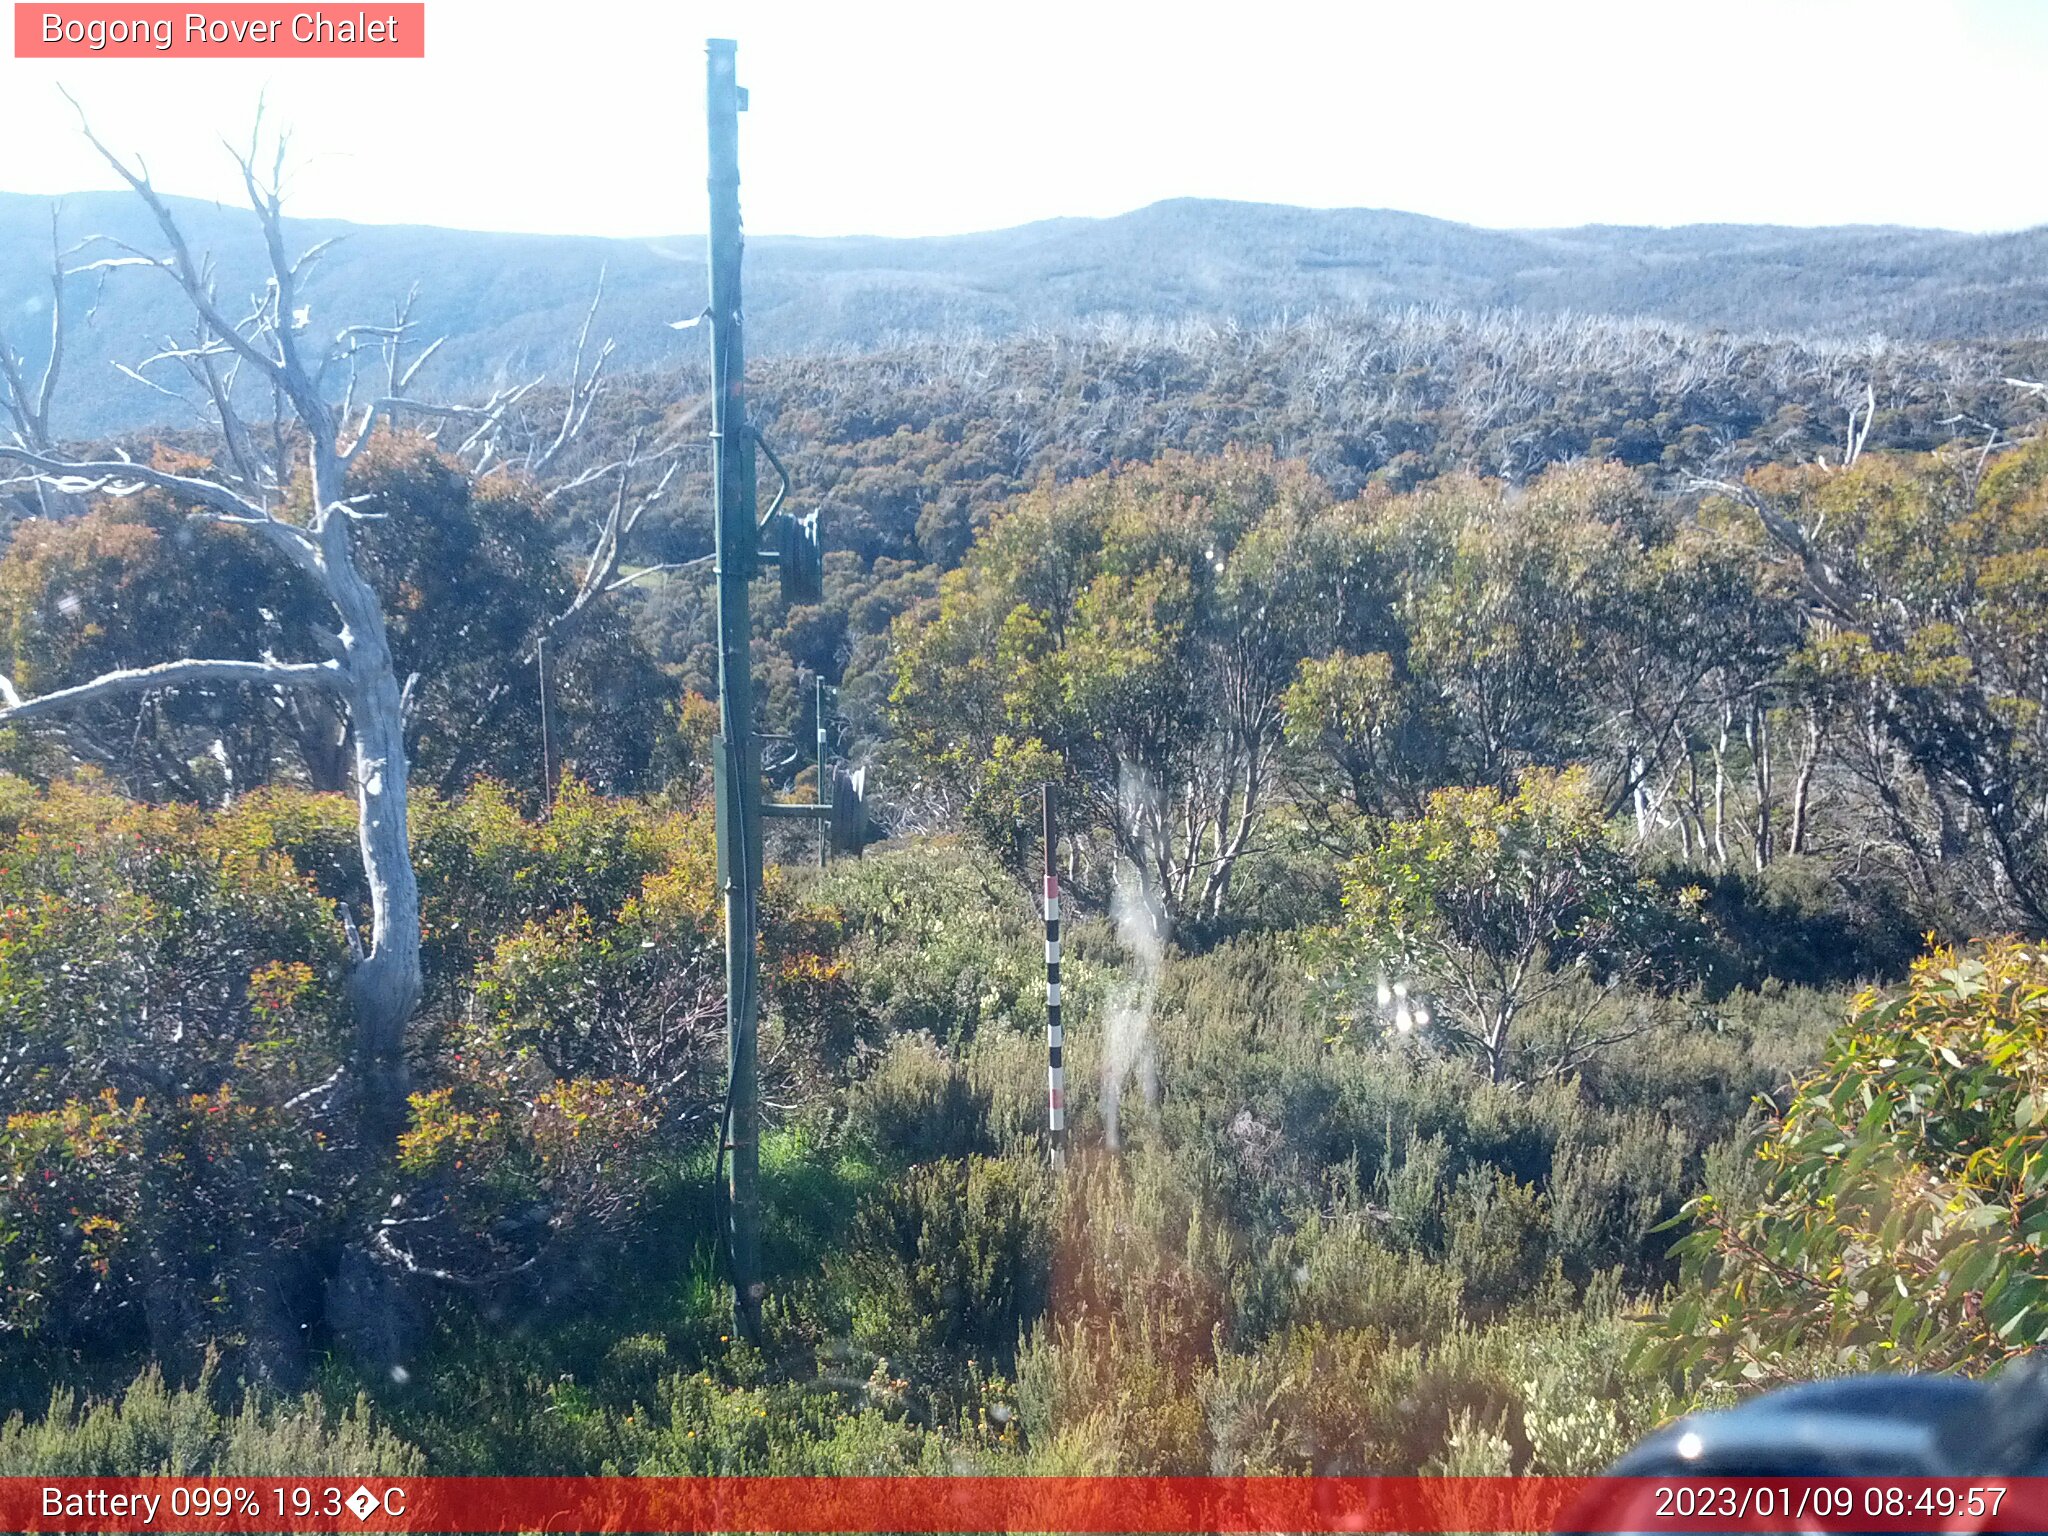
{"points": [[660, 570], [28, 405], [1860, 419], [48, 387], [603, 566], [168, 674], [404, 380], [583, 391], [185, 271], [484, 420], [122, 476], [1820, 576], [234, 431]]}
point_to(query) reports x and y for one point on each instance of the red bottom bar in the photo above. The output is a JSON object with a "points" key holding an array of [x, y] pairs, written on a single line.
{"points": [[1050, 1504]]}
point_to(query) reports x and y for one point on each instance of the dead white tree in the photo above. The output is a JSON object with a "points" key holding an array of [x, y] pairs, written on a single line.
{"points": [[237, 363], [274, 344], [26, 395]]}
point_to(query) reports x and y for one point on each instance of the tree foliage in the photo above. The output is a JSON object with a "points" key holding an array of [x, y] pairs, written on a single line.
{"points": [[1928, 582], [1132, 637], [1459, 921], [470, 577], [1904, 1198]]}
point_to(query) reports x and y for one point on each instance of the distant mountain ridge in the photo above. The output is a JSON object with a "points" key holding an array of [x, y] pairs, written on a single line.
{"points": [[509, 304]]}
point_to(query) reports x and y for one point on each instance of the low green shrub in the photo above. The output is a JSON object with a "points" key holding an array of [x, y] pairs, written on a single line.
{"points": [[918, 1103], [950, 1259], [153, 1430]]}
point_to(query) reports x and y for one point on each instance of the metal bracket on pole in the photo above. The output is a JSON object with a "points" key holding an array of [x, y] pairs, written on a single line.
{"points": [[843, 815]]}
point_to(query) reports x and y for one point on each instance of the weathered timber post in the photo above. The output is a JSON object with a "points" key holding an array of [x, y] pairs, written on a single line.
{"points": [[738, 775], [792, 549]]}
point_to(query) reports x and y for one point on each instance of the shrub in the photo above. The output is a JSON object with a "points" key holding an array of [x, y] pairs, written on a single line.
{"points": [[918, 1104], [171, 1003], [1489, 905], [1145, 1241], [940, 941], [1792, 923], [704, 1427], [1342, 1273], [1110, 1396], [486, 872], [640, 998], [1302, 1404], [1903, 1215], [177, 1160], [951, 1258], [152, 1430], [1582, 1404], [1495, 1232]]}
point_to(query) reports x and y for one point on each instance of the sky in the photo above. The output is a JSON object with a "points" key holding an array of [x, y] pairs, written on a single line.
{"points": [[899, 117]]}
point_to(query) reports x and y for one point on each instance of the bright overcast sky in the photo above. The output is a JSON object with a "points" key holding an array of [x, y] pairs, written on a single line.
{"points": [[585, 116]]}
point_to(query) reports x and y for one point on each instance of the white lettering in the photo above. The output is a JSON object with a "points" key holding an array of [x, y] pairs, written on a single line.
{"points": [[98, 32], [319, 27], [200, 28]]}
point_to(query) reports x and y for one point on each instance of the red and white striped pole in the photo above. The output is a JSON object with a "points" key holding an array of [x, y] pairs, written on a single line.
{"points": [[1055, 1067]]}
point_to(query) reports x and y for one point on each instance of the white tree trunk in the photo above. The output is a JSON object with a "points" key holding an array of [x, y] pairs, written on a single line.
{"points": [[385, 985]]}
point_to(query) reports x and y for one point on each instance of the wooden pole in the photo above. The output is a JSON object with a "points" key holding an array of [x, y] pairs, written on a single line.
{"points": [[739, 776]]}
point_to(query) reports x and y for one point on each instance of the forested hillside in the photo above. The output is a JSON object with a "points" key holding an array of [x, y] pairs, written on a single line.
{"points": [[910, 451], [506, 301], [1535, 789]]}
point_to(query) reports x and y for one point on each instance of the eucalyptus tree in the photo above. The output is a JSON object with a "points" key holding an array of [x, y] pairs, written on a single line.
{"points": [[1495, 638], [1132, 635], [301, 511], [1923, 583], [1491, 908]]}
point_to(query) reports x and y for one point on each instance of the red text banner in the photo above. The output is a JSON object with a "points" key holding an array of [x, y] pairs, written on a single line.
{"points": [[223, 31], [1050, 1504]]}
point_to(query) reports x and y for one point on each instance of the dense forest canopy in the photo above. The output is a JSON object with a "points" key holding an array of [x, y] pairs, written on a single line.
{"points": [[1512, 766]]}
